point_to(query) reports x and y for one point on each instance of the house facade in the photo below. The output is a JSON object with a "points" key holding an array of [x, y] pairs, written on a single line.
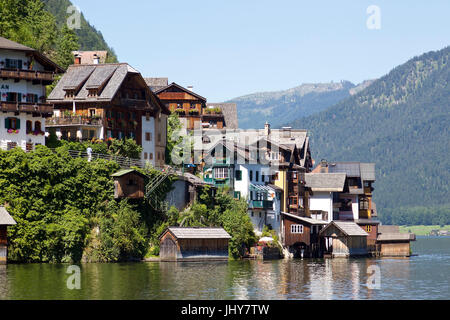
{"points": [[24, 74], [109, 101]]}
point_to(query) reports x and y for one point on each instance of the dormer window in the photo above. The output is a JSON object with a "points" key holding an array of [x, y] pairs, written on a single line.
{"points": [[70, 93], [92, 92]]}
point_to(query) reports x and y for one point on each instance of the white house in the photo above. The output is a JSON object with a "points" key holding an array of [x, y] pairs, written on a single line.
{"points": [[24, 74]]}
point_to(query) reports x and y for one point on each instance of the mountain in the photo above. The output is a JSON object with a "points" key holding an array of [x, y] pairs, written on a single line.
{"points": [[89, 38], [281, 106], [400, 122]]}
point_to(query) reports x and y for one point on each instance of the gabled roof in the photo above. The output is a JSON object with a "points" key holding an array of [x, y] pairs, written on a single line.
{"points": [[175, 85], [352, 169], [331, 182], [348, 228], [305, 219], [124, 172], [197, 233], [5, 218], [156, 84], [229, 111], [42, 59], [396, 237]]}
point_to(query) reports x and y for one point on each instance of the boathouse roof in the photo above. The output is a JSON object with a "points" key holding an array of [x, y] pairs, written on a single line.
{"points": [[5, 218], [347, 228], [197, 233]]}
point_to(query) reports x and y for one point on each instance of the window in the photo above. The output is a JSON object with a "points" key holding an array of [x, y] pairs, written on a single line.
{"points": [[148, 136], [29, 126], [276, 176], [364, 204], [221, 173], [293, 201], [297, 229], [12, 123], [237, 195], [257, 176], [251, 175], [11, 145], [274, 156], [238, 175], [151, 156], [369, 229], [159, 137], [145, 155], [13, 64]]}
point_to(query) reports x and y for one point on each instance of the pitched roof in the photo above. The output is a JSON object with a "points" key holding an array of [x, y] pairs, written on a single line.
{"points": [[348, 228], [87, 57], [193, 179], [175, 85], [156, 84], [352, 169], [305, 219], [332, 182], [124, 172], [5, 218], [396, 237], [367, 171], [198, 233], [42, 59], [229, 111]]}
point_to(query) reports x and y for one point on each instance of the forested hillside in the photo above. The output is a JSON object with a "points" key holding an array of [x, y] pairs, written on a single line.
{"points": [[280, 107], [400, 122], [89, 38]]}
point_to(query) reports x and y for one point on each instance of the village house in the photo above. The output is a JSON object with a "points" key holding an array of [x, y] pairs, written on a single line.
{"points": [[90, 57], [194, 244], [5, 221], [193, 110], [24, 74], [105, 101]]}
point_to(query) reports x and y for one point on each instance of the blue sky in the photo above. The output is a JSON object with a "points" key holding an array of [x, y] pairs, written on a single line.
{"points": [[229, 48]]}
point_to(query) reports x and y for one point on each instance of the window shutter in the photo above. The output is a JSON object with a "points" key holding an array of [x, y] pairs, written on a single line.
{"points": [[17, 124], [19, 97], [7, 123], [19, 64]]}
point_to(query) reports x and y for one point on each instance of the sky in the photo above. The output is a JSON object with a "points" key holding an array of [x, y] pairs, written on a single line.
{"points": [[230, 48]]}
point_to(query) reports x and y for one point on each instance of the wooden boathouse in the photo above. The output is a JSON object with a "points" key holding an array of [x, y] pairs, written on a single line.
{"points": [[348, 239], [5, 221], [392, 243], [194, 244]]}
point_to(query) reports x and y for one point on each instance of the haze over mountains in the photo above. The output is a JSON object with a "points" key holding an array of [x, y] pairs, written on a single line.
{"points": [[279, 107]]}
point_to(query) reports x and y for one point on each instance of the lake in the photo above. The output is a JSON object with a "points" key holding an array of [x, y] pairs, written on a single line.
{"points": [[425, 276]]}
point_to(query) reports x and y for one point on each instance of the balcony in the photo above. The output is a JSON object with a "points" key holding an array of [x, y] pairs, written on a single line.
{"points": [[27, 75], [28, 107], [260, 204], [73, 121], [135, 103]]}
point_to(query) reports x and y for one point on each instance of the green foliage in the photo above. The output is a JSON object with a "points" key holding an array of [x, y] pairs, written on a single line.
{"points": [[122, 233], [89, 38], [125, 148], [67, 42], [400, 122], [175, 140]]}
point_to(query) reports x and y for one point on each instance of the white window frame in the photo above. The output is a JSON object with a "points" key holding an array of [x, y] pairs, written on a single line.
{"points": [[297, 229], [221, 173]]}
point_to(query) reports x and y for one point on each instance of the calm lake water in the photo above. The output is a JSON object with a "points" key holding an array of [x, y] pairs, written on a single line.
{"points": [[426, 276]]}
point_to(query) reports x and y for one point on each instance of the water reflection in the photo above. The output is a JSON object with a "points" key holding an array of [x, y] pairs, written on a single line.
{"points": [[426, 276]]}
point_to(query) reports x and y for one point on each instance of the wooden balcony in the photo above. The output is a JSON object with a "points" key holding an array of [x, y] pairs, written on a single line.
{"points": [[135, 103], [260, 204], [29, 75], [27, 107], [73, 121]]}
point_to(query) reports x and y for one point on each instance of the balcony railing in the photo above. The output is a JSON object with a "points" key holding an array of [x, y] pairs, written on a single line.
{"points": [[73, 121], [260, 204], [26, 107], [134, 103], [27, 74]]}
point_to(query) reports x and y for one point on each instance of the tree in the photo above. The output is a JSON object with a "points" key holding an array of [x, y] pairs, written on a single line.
{"points": [[67, 42]]}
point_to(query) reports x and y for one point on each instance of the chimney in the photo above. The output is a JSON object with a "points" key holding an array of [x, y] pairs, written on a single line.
{"points": [[287, 132], [77, 58], [190, 88], [96, 59], [324, 166], [267, 129]]}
